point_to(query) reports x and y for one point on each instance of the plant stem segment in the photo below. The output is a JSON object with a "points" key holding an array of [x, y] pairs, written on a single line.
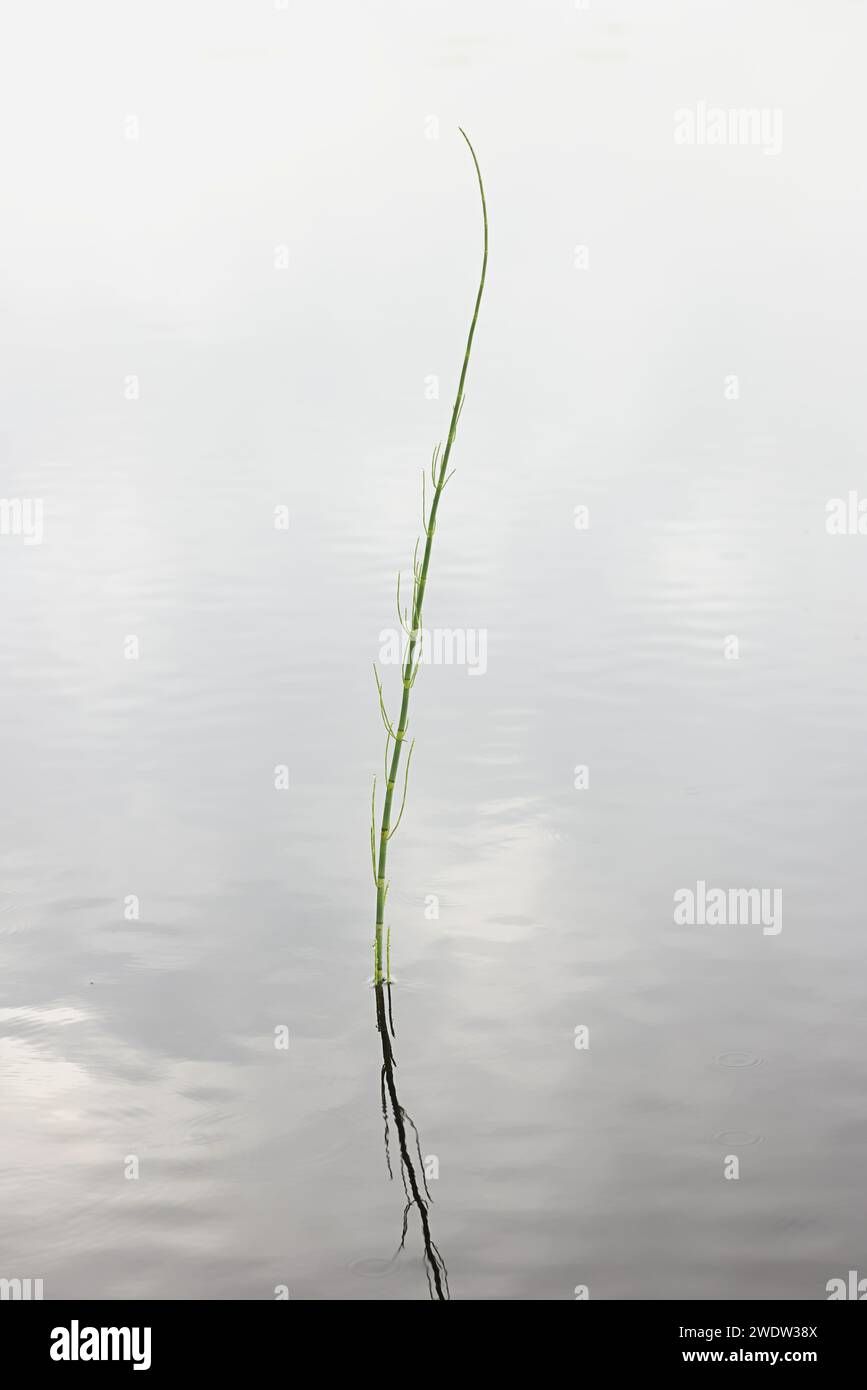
{"points": [[439, 478]]}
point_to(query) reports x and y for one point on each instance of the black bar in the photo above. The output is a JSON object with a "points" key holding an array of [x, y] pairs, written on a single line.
{"points": [[225, 1338]]}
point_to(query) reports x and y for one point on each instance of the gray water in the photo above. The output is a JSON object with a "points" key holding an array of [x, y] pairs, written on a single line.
{"points": [[148, 1041]]}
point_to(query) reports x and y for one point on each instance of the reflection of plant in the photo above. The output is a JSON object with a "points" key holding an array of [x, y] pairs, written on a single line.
{"points": [[434, 1264], [412, 628]]}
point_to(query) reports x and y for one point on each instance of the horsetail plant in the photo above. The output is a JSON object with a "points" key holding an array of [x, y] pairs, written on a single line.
{"points": [[411, 623]]}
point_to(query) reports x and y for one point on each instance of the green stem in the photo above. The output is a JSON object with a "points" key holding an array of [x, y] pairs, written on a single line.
{"points": [[418, 602]]}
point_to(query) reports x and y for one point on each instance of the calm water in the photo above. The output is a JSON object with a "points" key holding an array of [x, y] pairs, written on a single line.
{"points": [[153, 1038]]}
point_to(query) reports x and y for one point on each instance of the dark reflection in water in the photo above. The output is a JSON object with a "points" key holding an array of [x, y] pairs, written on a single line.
{"points": [[410, 1151]]}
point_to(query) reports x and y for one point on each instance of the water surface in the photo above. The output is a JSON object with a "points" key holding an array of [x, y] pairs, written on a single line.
{"points": [[153, 1037]]}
